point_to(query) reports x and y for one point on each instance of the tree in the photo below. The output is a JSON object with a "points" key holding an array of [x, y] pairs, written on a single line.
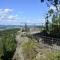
{"points": [[53, 2], [55, 17], [51, 11], [46, 23]]}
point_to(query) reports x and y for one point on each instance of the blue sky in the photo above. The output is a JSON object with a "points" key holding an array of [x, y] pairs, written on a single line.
{"points": [[15, 12]]}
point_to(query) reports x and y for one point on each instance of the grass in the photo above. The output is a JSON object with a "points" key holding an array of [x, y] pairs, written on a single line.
{"points": [[31, 51]]}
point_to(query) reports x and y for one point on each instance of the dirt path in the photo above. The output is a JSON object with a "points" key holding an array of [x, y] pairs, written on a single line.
{"points": [[20, 39]]}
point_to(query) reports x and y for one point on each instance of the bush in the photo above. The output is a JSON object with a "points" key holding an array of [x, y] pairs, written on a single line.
{"points": [[7, 43]]}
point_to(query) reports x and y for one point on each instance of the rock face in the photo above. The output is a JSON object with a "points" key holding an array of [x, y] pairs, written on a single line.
{"points": [[30, 49]]}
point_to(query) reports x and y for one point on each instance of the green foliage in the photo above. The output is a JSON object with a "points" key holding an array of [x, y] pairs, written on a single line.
{"points": [[29, 50], [51, 11], [49, 55], [55, 26], [53, 55], [56, 2], [53, 2], [7, 43]]}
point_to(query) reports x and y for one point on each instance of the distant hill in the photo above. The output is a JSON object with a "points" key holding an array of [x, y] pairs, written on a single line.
{"points": [[18, 26]]}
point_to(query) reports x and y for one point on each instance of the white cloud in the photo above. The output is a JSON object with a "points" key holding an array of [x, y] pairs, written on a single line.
{"points": [[5, 11], [8, 10], [7, 18]]}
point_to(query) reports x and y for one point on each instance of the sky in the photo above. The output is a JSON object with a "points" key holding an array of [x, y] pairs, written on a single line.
{"points": [[16, 12]]}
